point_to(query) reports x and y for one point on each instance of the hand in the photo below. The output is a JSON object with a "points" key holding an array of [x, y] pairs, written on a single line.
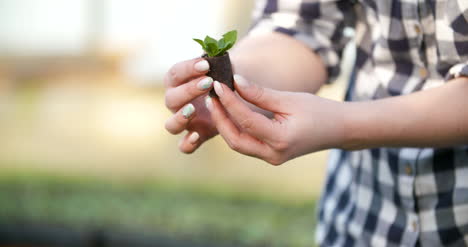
{"points": [[302, 122], [186, 85]]}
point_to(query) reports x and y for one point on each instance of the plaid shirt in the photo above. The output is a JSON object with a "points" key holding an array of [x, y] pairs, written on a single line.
{"points": [[387, 196]]}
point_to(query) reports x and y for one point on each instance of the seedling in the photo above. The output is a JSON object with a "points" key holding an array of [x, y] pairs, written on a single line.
{"points": [[216, 53], [216, 48]]}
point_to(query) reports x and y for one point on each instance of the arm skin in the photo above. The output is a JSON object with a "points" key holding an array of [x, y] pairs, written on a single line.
{"points": [[279, 62], [303, 123], [433, 118]]}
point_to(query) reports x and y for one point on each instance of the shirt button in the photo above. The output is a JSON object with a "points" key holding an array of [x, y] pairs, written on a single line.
{"points": [[408, 169], [417, 28], [423, 72], [414, 226]]}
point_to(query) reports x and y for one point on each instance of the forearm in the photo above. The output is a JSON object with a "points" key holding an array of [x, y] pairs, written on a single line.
{"points": [[279, 62], [432, 118]]}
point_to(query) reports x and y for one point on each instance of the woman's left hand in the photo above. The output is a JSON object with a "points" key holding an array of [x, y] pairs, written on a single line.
{"points": [[302, 123]]}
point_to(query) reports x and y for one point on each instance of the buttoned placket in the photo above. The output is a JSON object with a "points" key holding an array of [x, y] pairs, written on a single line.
{"points": [[423, 73], [408, 174], [418, 29]]}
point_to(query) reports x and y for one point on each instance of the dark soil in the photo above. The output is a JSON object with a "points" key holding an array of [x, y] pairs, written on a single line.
{"points": [[220, 70]]}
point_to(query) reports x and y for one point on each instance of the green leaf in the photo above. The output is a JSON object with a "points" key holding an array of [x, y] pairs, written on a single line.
{"points": [[225, 49], [221, 44], [211, 49], [199, 41], [218, 53], [214, 48], [230, 37], [209, 40], [211, 46]]}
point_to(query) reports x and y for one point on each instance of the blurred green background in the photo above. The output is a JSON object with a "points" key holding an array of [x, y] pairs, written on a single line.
{"points": [[82, 139]]}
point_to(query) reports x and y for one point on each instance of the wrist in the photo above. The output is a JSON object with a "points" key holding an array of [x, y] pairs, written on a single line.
{"points": [[329, 124], [355, 127]]}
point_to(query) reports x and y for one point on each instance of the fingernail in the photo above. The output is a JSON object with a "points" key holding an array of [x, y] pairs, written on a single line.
{"points": [[188, 110], [193, 138], [202, 66], [205, 83], [209, 103], [241, 81], [218, 88]]}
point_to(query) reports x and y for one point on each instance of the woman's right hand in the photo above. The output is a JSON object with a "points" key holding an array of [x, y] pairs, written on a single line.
{"points": [[186, 87]]}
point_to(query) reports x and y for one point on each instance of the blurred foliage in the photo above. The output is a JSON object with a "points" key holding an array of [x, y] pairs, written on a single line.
{"points": [[210, 214]]}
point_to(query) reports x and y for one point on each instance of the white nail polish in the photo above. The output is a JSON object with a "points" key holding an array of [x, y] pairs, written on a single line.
{"points": [[202, 66], [193, 138], [241, 81], [205, 83], [188, 110], [218, 88], [208, 103]]}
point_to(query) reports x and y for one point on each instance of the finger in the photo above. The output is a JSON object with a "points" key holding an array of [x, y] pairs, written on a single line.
{"points": [[237, 140], [176, 97], [249, 121], [179, 121], [190, 142], [264, 98], [186, 70]]}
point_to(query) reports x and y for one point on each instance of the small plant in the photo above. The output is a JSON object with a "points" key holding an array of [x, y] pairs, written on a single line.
{"points": [[217, 55], [216, 48]]}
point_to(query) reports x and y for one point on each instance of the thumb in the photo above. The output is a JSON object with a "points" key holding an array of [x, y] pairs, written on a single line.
{"points": [[265, 98]]}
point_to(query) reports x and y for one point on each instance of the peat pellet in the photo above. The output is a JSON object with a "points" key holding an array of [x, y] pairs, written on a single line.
{"points": [[220, 70]]}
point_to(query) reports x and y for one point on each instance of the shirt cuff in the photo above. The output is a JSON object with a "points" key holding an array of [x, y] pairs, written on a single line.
{"points": [[458, 70]]}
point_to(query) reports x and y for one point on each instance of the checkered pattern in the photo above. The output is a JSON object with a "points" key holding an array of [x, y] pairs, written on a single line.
{"points": [[387, 196]]}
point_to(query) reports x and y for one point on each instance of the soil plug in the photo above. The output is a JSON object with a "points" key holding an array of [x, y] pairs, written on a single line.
{"points": [[217, 56]]}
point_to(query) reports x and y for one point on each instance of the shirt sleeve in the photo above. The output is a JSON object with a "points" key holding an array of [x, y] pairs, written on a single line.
{"points": [[458, 70], [319, 24], [458, 19]]}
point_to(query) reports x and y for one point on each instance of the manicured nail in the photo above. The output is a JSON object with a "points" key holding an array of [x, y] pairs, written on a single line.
{"points": [[193, 138], [218, 88], [241, 81], [202, 66], [188, 110], [209, 103], [205, 83]]}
